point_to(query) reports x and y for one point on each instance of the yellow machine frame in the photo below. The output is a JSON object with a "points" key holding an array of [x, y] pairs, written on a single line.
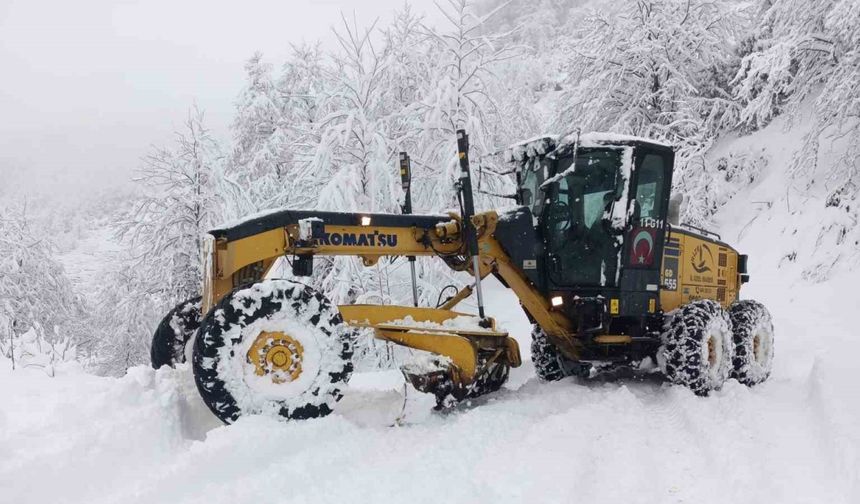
{"points": [[701, 268], [229, 260]]}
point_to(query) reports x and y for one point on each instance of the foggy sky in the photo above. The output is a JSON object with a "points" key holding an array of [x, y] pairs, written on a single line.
{"points": [[87, 86]]}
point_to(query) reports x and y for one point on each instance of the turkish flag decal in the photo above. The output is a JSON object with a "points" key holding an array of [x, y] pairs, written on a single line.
{"points": [[642, 249]]}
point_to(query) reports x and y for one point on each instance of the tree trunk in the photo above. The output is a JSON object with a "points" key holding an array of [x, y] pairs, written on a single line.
{"points": [[12, 344]]}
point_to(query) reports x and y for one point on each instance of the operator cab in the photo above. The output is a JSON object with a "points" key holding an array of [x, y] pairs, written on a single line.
{"points": [[599, 204]]}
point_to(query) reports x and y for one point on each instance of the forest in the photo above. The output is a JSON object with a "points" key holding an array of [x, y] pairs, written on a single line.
{"points": [[323, 130]]}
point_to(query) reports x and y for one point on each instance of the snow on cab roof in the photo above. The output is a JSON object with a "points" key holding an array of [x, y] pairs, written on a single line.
{"points": [[534, 146], [544, 144], [603, 138]]}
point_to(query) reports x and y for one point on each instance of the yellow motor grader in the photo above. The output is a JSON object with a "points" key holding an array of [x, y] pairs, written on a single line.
{"points": [[593, 252]]}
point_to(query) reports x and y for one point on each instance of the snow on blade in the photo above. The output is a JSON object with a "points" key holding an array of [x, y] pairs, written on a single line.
{"points": [[462, 322], [421, 362]]}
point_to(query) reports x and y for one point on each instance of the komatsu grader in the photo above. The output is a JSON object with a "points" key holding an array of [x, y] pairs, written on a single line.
{"points": [[593, 251]]}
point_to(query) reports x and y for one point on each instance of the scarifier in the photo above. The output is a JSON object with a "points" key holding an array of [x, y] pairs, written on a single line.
{"points": [[593, 251]]}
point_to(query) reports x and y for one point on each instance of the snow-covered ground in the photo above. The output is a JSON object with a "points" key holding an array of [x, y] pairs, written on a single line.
{"points": [[147, 438]]}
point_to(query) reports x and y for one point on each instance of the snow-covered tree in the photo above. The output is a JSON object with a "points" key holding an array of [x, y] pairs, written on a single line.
{"points": [[458, 96], [807, 52], [178, 206], [787, 55], [302, 86], [535, 24], [802, 61], [657, 69], [42, 318], [273, 130], [651, 68], [162, 264], [258, 158], [127, 312], [354, 158], [831, 150], [820, 49]]}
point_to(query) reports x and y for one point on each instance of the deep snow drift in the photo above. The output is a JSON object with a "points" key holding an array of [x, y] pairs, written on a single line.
{"points": [[147, 438]]}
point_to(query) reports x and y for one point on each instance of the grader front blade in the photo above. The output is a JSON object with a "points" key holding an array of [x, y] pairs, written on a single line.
{"points": [[469, 352]]}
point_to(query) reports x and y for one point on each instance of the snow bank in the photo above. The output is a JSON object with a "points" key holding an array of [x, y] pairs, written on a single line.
{"points": [[74, 437], [791, 224], [145, 438]]}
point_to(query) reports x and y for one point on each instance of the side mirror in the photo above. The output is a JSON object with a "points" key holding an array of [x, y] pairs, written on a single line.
{"points": [[675, 203], [526, 197]]}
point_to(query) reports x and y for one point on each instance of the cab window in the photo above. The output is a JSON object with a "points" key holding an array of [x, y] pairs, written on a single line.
{"points": [[581, 249], [650, 187]]}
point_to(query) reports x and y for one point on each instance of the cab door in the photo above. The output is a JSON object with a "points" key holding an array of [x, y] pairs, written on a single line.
{"points": [[643, 252], [582, 253]]}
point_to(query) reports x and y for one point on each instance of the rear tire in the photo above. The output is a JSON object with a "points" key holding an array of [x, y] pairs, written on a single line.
{"points": [[277, 347], [174, 331], [546, 357], [752, 331], [697, 348]]}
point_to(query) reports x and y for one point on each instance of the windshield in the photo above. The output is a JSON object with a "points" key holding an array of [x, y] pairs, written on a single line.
{"points": [[583, 250]]}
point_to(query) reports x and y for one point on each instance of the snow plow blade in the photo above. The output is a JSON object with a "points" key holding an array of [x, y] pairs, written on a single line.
{"points": [[456, 337]]}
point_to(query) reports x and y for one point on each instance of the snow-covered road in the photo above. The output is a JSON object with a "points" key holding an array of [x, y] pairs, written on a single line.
{"points": [[146, 438]]}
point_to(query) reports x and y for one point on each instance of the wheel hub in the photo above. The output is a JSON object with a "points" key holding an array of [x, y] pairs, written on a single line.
{"points": [[277, 355], [758, 354], [712, 351]]}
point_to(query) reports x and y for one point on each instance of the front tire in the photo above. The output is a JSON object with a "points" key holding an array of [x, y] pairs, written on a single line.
{"points": [[697, 348], [752, 331], [546, 357], [174, 331], [276, 347]]}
